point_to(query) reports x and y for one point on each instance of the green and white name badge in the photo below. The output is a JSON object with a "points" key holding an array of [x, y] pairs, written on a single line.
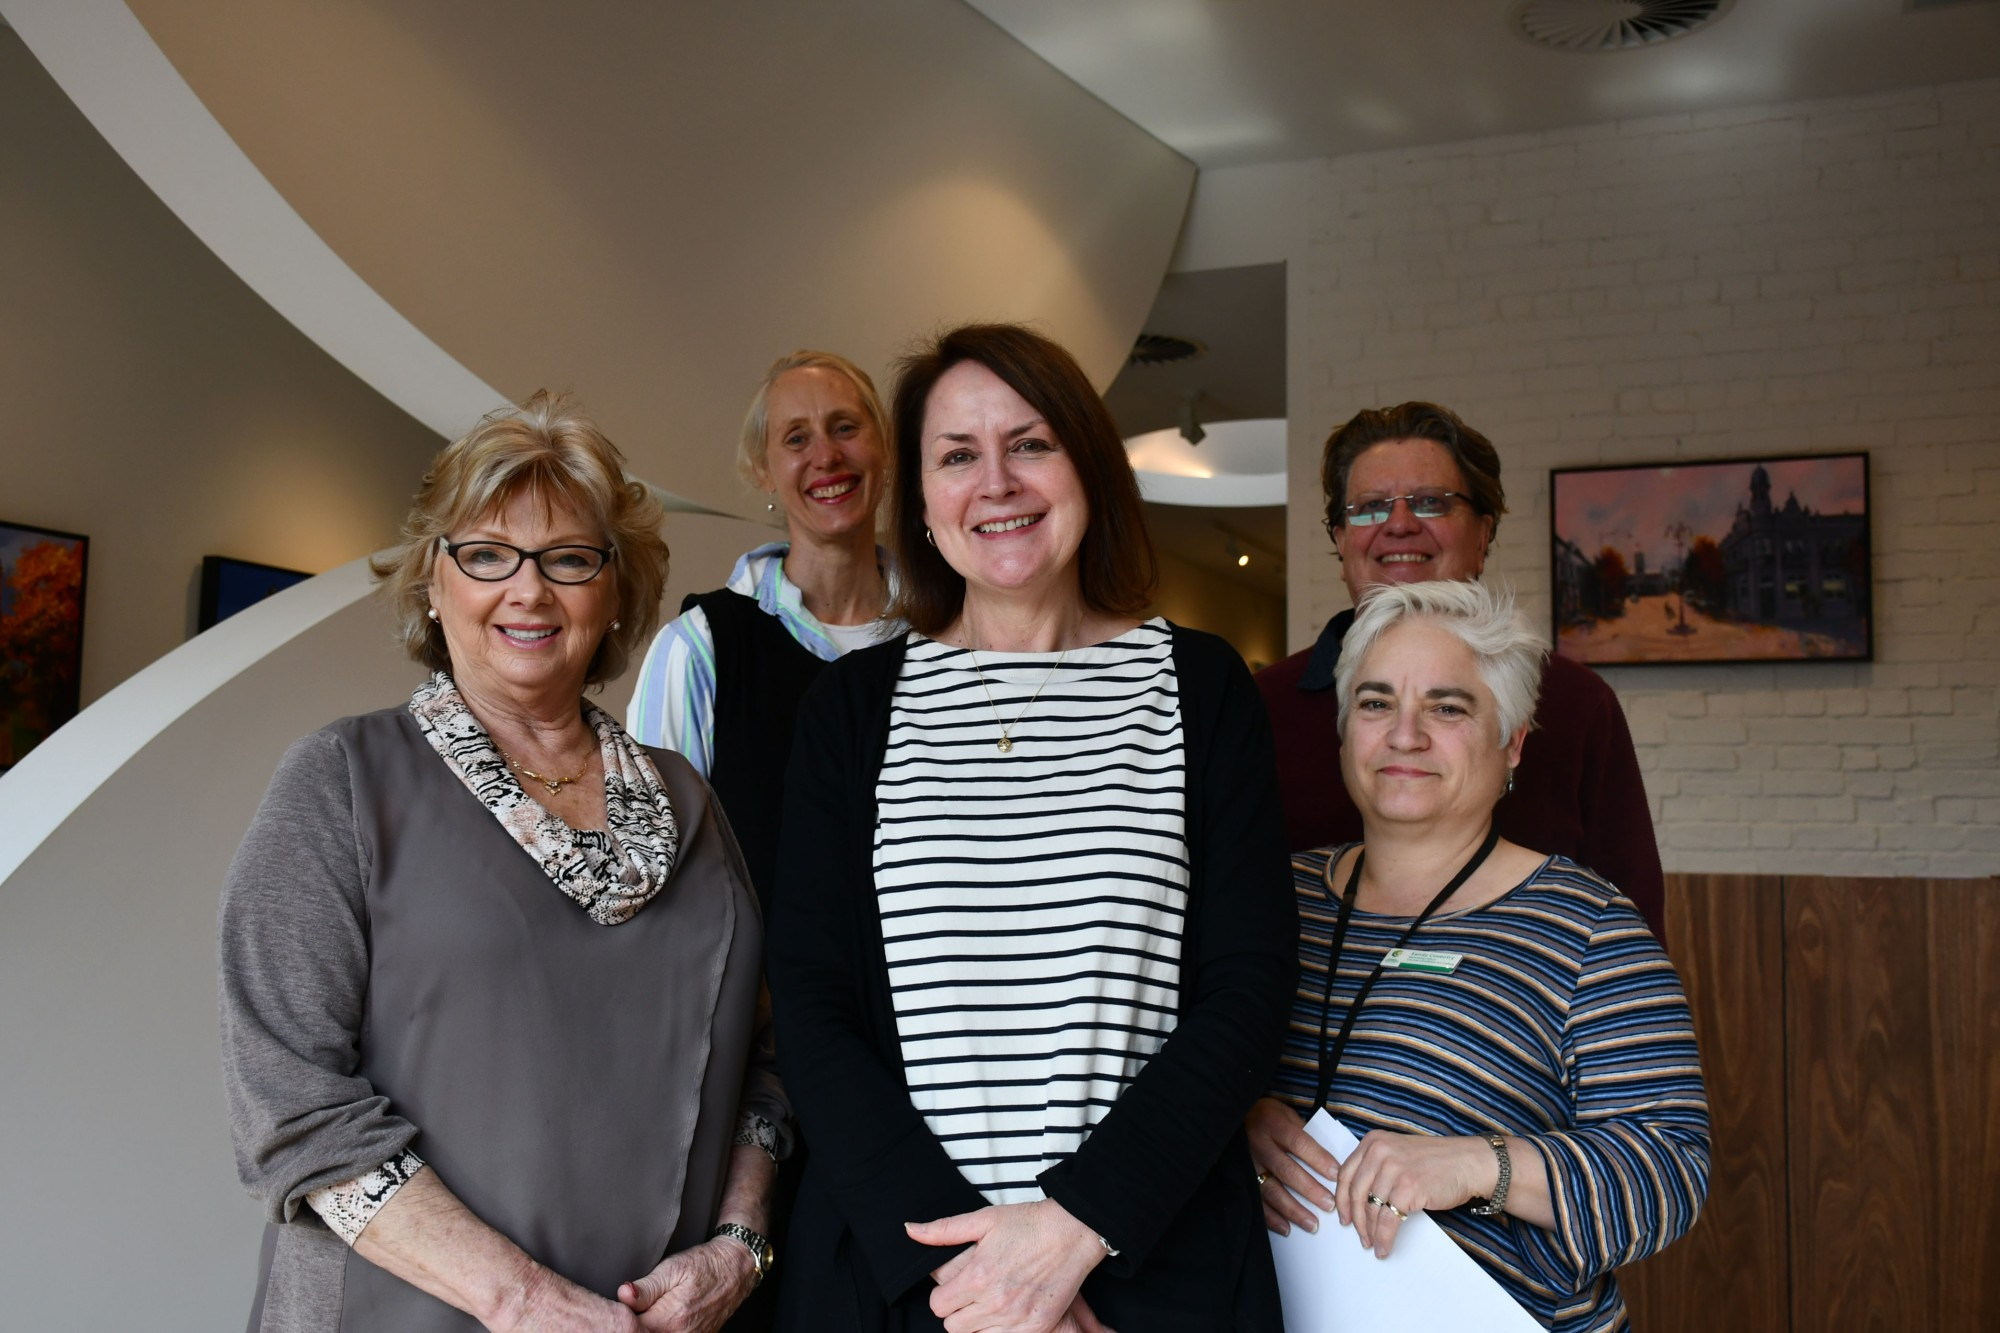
{"points": [[1433, 961]]}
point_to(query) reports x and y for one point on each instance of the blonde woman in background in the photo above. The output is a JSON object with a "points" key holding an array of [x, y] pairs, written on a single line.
{"points": [[722, 683]]}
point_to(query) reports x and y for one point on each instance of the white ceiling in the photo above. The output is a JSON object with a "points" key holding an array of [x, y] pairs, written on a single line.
{"points": [[1234, 82]]}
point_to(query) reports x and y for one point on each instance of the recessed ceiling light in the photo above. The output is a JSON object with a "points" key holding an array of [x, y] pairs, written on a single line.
{"points": [[1612, 25]]}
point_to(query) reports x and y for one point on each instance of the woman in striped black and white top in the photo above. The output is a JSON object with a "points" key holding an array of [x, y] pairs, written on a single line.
{"points": [[1032, 942], [1498, 1025]]}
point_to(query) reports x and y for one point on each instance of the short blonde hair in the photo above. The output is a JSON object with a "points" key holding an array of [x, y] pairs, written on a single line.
{"points": [[751, 444], [549, 449], [1508, 651]]}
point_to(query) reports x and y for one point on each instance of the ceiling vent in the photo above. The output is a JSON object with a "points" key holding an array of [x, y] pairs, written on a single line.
{"points": [[1157, 349], [1612, 25]]}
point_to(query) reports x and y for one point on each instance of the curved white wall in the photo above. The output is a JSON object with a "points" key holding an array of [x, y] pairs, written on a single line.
{"points": [[109, 66], [114, 1152], [647, 203]]}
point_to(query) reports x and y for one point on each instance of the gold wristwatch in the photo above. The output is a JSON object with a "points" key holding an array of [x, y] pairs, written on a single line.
{"points": [[760, 1248]]}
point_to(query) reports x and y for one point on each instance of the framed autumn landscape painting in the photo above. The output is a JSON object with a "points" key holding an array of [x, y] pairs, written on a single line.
{"points": [[41, 634], [1743, 560]]}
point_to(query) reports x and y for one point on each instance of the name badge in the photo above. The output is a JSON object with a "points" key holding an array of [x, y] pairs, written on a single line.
{"points": [[1433, 961]]}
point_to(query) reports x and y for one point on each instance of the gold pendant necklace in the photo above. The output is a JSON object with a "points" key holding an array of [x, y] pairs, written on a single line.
{"points": [[1005, 745], [555, 785]]}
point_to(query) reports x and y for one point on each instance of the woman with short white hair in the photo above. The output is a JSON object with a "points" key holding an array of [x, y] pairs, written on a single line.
{"points": [[1498, 1026]]}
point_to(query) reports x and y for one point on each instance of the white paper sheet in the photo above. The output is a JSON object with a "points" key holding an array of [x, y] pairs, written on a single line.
{"points": [[1331, 1285]]}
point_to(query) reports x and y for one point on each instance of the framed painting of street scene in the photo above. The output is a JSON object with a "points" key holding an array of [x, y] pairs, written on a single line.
{"points": [[41, 634], [1743, 560]]}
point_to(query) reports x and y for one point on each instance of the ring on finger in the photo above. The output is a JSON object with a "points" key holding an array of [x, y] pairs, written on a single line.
{"points": [[1263, 1179]]}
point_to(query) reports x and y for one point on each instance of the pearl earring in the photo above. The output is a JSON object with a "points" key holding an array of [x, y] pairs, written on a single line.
{"points": [[771, 505], [617, 624], [432, 613], [1510, 782]]}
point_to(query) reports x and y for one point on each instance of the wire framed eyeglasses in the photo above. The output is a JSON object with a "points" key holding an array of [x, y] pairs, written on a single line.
{"points": [[1423, 505]]}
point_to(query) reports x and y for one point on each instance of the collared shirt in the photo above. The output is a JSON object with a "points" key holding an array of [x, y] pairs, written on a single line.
{"points": [[673, 703]]}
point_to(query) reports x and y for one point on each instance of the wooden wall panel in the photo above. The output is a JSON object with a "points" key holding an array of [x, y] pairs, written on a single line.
{"points": [[1892, 998], [1725, 934], [1965, 979]]}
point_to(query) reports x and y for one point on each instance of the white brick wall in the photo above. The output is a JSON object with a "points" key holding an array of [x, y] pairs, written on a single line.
{"points": [[1814, 276]]}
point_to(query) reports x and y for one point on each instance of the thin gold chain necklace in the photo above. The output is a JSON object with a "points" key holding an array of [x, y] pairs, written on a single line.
{"points": [[1006, 742], [555, 785]]}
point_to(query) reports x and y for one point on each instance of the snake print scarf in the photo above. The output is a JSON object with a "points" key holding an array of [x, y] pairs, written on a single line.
{"points": [[610, 875]]}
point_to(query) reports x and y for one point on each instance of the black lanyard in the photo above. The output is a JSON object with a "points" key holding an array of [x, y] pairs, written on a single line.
{"points": [[1329, 1059]]}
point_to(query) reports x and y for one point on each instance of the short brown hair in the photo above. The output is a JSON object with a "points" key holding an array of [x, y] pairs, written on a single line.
{"points": [[751, 443], [1116, 564], [1478, 461], [549, 449]]}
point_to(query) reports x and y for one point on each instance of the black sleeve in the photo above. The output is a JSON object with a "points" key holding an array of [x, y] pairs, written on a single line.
{"points": [[1137, 1169], [829, 983]]}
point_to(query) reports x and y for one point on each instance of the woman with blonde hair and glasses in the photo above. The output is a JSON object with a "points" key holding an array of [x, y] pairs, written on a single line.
{"points": [[491, 970]]}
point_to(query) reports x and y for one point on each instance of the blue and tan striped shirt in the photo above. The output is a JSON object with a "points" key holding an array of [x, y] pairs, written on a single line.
{"points": [[1566, 1025]]}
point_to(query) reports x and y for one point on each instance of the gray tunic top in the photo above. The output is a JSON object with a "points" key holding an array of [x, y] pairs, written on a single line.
{"points": [[396, 973]]}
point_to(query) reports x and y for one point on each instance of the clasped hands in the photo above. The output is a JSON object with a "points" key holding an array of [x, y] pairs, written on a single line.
{"points": [[1407, 1172], [693, 1291], [1023, 1273]]}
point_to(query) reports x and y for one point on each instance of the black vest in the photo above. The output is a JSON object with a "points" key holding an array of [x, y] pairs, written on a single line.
{"points": [[761, 676]]}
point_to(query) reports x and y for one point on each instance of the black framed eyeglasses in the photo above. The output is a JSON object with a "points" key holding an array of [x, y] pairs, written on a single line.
{"points": [[1423, 504], [491, 561]]}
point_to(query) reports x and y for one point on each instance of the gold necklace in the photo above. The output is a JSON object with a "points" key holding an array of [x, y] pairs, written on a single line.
{"points": [[555, 785], [1006, 743]]}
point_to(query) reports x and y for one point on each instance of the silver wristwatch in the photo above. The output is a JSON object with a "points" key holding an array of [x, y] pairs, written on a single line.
{"points": [[760, 1248], [1496, 1205]]}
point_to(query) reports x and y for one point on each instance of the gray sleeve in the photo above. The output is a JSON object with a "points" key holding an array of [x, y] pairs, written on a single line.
{"points": [[294, 948]]}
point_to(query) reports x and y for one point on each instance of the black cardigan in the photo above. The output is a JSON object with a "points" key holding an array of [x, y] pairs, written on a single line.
{"points": [[1165, 1177]]}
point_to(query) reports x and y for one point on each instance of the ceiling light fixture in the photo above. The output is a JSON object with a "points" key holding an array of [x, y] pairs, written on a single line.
{"points": [[1240, 464], [1191, 430]]}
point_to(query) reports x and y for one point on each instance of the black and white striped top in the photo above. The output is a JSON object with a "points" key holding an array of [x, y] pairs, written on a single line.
{"points": [[1032, 901]]}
